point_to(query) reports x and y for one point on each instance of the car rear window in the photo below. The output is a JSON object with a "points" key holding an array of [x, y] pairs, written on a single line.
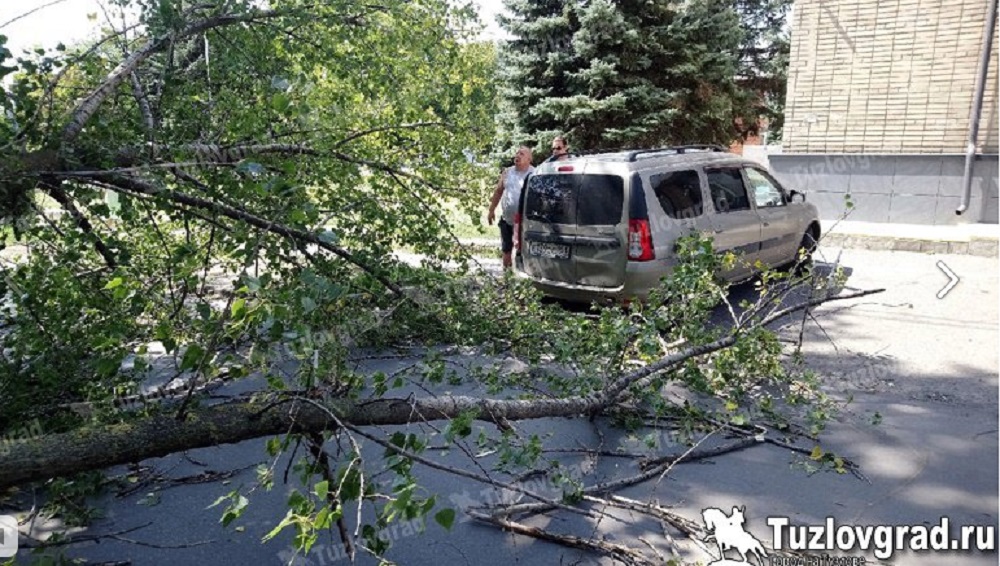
{"points": [[679, 193], [586, 200]]}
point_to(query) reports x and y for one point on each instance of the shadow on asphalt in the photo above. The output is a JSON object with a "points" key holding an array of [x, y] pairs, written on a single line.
{"points": [[935, 454]]}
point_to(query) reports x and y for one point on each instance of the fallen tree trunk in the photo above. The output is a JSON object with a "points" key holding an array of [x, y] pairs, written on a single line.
{"points": [[93, 448], [102, 446]]}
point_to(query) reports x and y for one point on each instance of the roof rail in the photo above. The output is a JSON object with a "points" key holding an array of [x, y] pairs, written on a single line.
{"points": [[632, 156], [603, 150]]}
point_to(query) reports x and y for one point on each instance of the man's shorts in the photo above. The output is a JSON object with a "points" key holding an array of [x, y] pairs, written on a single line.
{"points": [[506, 236]]}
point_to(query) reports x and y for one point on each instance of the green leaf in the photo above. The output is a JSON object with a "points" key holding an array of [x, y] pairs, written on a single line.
{"points": [[288, 520], [281, 102], [445, 518], [297, 501], [322, 489], [350, 486], [204, 311], [235, 510], [116, 282], [308, 304], [239, 306], [461, 425], [817, 453], [273, 446], [323, 518], [192, 357]]}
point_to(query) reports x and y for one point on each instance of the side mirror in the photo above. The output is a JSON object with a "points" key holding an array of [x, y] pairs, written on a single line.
{"points": [[794, 193]]}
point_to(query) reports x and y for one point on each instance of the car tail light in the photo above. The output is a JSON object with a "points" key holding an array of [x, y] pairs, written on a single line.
{"points": [[517, 231], [564, 168], [640, 241]]}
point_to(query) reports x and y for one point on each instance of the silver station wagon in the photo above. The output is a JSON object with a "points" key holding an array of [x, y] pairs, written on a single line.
{"points": [[603, 227]]}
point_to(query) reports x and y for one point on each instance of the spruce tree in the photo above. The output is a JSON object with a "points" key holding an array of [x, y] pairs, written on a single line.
{"points": [[534, 67], [763, 59], [632, 72]]}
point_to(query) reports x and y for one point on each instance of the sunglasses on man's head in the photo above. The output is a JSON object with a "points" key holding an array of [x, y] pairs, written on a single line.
{"points": [[557, 147]]}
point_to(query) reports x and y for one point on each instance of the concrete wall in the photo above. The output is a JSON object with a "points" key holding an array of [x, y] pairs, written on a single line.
{"points": [[909, 189], [870, 76]]}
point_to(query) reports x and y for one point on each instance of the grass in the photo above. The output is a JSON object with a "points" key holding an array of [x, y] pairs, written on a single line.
{"points": [[465, 227]]}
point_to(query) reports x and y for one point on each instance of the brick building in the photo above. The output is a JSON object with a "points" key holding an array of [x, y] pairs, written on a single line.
{"points": [[878, 107]]}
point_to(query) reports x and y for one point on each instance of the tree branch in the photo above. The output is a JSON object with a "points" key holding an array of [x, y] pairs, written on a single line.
{"points": [[77, 539], [29, 12], [88, 107], [98, 447], [645, 374], [140, 98], [217, 154], [90, 448], [133, 186], [60, 196], [369, 131]]}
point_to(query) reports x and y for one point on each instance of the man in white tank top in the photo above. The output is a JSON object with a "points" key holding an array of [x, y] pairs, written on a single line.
{"points": [[508, 192]]}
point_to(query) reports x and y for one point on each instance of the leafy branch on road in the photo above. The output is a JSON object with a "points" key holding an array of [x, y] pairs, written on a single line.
{"points": [[215, 200]]}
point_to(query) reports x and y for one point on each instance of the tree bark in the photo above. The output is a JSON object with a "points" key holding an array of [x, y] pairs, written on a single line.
{"points": [[91, 448], [98, 447], [133, 186], [86, 109]]}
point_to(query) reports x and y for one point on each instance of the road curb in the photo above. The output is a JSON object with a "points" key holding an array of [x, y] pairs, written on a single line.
{"points": [[983, 247], [482, 247], [975, 245]]}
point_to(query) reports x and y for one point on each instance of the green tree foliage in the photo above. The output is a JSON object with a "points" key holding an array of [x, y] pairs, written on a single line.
{"points": [[535, 65], [763, 60], [344, 123], [223, 193], [616, 74]]}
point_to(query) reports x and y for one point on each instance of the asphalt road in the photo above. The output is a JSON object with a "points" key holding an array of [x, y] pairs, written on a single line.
{"points": [[922, 373]]}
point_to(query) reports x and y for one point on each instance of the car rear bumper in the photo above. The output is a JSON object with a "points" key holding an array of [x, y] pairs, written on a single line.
{"points": [[640, 279]]}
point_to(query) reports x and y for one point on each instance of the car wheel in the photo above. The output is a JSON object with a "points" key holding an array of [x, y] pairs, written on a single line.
{"points": [[804, 254]]}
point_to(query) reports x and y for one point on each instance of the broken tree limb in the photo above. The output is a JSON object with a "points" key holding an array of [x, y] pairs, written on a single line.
{"points": [[86, 109], [97, 447], [60, 196], [133, 186], [644, 375], [89, 105], [143, 102], [648, 473]]}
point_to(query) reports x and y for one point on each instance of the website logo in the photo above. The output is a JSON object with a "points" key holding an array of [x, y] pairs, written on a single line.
{"points": [[728, 533], [826, 544]]}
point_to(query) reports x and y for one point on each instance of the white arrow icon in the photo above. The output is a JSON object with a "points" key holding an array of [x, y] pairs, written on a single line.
{"points": [[952, 280]]}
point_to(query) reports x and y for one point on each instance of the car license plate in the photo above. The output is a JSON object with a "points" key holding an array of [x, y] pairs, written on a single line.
{"points": [[549, 251]]}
